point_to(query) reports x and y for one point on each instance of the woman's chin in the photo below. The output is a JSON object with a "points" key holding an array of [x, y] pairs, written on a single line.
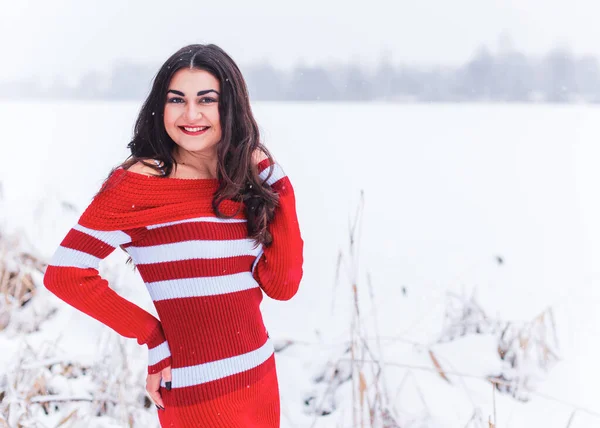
{"points": [[196, 146]]}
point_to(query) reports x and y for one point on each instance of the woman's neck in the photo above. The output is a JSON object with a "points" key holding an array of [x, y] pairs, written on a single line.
{"points": [[200, 165]]}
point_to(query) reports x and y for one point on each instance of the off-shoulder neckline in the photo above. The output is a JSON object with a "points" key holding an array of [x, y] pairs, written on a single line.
{"points": [[139, 175]]}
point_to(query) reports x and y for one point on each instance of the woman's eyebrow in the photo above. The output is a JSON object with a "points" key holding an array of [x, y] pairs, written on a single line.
{"points": [[207, 91], [181, 94]]}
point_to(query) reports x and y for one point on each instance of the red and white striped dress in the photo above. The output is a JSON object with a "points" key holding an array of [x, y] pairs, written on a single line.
{"points": [[206, 278]]}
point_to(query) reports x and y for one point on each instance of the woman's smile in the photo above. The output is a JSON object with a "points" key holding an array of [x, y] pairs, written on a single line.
{"points": [[194, 130]]}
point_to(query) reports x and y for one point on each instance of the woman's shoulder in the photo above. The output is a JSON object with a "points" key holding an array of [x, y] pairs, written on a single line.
{"points": [[129, 181], [127, 190], [258, 156]]}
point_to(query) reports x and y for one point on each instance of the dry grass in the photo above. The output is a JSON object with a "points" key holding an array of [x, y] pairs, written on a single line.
{"points": [[529, 350], [39, 381], [20, 273], [463, 316], [370, 406]]}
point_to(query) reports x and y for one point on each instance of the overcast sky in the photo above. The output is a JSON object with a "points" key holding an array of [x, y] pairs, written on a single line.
{"points": [[48, 37]]}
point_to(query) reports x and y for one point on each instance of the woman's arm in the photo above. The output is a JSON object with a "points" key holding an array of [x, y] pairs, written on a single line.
{"points": [[73, 276], [278, 269]]}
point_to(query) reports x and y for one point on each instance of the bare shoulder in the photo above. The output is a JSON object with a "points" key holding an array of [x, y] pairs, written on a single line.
{"points": [[141, 168], [258, 156]]}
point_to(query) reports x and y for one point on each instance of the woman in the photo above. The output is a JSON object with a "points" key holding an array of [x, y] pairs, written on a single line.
{"points": [[210, 222]]}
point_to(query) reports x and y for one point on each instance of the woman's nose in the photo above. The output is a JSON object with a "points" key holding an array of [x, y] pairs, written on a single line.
{"points": [[192, 112]]}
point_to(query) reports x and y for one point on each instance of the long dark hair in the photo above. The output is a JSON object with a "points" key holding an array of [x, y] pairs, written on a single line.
{"points": [[238, 178]]}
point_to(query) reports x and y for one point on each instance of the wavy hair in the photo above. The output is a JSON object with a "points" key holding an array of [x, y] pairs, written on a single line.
{"points": [[237, 175]]}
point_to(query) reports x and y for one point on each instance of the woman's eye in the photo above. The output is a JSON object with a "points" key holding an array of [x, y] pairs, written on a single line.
{"points": [[175, 100], [207, 100]]}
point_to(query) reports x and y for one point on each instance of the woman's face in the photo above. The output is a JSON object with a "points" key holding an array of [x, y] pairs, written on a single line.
{"points": [[191, 113]]}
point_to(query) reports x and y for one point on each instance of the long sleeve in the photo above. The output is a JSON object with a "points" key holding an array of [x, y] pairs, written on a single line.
{"points": [[278, 269], [72, 275]]}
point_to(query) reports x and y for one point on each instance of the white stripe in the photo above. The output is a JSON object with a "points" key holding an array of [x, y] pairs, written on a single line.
{"points": [[158, 353], [207, 372], [199, 219], [67, 257], [113, 238], [257, 259], [187, 250], [206, 286], [277, 175]]}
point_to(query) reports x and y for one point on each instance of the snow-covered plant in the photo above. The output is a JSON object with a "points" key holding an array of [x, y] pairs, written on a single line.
{"points": [[352, 381], [20, 282], [528, 351], [42, 384], [465, 316]]}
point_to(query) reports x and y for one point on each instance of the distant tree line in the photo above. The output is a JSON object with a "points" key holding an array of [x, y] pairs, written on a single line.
{"points": [[507, 76]]}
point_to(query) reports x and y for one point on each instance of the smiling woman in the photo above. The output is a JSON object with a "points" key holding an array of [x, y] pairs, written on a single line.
{"points": [[209, 219], [190, 114]]}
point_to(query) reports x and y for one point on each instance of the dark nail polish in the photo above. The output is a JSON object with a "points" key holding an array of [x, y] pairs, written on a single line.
{"points": [[168, 385]]}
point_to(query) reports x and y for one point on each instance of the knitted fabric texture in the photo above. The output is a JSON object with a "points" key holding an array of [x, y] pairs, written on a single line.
{"points": [[206, 279]]}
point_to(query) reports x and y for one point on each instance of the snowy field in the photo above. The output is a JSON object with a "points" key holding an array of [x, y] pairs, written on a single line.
{"points": [[498, 203]]}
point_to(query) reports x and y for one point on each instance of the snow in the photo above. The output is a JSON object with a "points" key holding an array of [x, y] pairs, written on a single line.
{"points": [[447, 190]]}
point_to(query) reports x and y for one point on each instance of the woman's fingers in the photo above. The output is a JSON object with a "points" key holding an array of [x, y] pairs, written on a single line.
{"points": [[166, 375], [153, 389]]}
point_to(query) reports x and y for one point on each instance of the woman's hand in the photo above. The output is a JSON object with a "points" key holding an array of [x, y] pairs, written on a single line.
{"points": [[153, 386]]}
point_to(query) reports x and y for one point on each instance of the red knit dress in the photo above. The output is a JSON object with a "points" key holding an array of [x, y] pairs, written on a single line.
{"points": [[206, 278]]}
